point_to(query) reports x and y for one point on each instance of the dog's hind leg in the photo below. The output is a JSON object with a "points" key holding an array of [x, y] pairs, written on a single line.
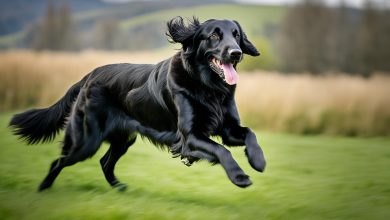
{"points": [[65, 161], [56, 166], [118, 148], [55, 169], [75, 149]]}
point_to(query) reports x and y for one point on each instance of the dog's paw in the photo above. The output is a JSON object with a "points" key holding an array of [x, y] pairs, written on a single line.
{"points": [[186, 161], [121, 187], [242, 180], [44, 186], [256, 158]]}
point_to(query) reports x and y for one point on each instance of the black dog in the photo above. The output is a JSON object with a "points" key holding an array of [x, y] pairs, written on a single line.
{"points": [[178, 103]]}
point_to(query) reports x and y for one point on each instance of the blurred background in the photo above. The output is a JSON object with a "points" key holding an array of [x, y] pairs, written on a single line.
{"points": [[318, 99], [323, 64]]}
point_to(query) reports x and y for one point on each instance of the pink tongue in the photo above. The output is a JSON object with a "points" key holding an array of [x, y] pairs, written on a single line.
{"points": [[230, 73]]}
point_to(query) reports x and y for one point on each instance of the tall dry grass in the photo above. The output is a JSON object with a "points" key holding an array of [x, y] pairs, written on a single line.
{"points": [[334, 104], [40, 78]]}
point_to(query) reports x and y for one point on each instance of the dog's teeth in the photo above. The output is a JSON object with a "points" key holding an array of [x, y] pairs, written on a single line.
{"points": [[215, 66]]}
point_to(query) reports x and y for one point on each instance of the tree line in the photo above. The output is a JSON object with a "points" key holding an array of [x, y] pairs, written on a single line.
{"points": [[312, 37], [57, 31], [316, 38]]}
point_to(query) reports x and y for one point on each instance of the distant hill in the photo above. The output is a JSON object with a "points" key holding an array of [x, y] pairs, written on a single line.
{"points": [[15, 15], [254, 18], [142, 23]]}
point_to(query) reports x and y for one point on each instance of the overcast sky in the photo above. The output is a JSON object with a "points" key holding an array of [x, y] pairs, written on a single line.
{"points": [[353, 3]]}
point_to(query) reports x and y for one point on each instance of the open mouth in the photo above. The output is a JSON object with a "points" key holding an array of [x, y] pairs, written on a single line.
{"points": [[224, 70]]}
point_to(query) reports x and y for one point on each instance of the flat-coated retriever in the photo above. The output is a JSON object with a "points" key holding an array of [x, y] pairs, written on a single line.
{"points": [[177, 103]]}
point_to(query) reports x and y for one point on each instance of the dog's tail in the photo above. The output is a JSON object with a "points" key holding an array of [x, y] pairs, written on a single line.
{"points": [[42, 125]]}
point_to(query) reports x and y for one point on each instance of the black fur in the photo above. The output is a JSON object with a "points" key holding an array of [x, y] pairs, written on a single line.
{"points": [[177, 103]]}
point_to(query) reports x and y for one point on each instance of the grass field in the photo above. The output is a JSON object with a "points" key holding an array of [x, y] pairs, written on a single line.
{"points": [[308, 177]]}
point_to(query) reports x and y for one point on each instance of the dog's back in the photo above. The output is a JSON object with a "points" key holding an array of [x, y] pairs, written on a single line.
{"points": [[138, 89]]}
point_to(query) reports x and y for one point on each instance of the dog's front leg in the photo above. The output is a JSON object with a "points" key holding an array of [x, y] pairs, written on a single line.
{"points": [[254, 152], [225, 158], [198, 145], [238, 136], [235, 135]]}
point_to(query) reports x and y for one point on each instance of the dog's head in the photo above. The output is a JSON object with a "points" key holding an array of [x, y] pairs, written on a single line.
{"points": [[213, 48]]}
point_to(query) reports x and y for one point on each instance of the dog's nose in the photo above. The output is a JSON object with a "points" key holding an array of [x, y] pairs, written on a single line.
{"points": [[235, 54]]}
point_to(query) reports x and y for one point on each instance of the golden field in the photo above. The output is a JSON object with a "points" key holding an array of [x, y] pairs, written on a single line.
{"points": [[299, 103]]}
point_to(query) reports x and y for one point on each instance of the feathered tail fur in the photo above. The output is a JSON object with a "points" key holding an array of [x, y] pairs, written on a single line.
{"points": [[42, 125]]}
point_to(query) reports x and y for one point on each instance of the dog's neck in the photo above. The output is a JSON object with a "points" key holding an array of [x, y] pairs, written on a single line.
{"points": [[185, 62]]}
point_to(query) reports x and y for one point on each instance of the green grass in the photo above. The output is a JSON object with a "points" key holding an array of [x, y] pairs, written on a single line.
{"points": [[308, 177], [11, 40]]}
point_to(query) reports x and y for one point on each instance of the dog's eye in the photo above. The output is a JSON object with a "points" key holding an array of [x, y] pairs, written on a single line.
{"points": [[236, 34], [214, 36]]}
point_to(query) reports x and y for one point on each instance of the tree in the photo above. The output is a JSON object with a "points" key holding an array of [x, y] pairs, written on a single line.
{"points": [[55, 31], [339, 40], [373, 41], [301, 39], [108, 35], [316, 38]]}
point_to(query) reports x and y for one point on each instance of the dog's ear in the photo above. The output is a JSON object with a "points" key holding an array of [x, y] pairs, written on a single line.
{"points": [[179, 32], [246, 46]]}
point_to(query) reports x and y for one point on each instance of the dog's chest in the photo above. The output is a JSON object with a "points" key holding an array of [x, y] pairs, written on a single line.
{"points": [[208, 114]]}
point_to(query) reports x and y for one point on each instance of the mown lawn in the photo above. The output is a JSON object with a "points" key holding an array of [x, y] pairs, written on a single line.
{"points": [[308, 177]]}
